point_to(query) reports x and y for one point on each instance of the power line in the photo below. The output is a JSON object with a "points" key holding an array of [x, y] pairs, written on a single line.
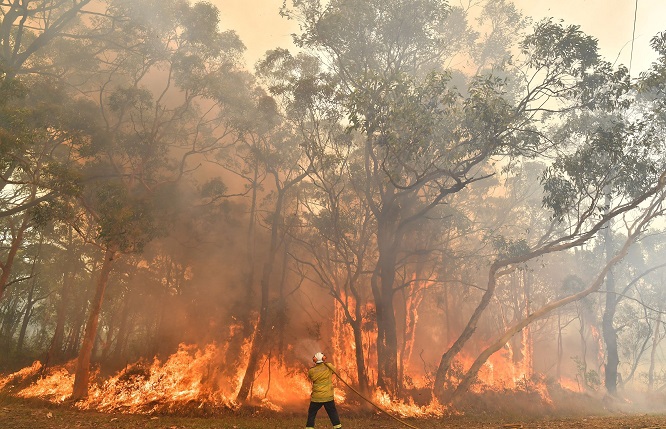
{"points": [[633, 37]]}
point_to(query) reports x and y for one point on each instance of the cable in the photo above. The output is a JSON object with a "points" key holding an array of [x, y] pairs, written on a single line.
{"points": [[369, 401], [633, 37]]}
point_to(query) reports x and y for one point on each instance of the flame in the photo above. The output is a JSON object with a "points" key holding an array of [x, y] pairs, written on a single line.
{"points": [[599, 342], [195, 378], [55, 387], [500, 374], [189, 375], [409, 408], [569, 384], [189, 379], [344, 344], [20, 376]]}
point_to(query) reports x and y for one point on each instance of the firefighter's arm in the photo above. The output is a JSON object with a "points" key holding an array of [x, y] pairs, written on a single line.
{"points": [[332, 368]]}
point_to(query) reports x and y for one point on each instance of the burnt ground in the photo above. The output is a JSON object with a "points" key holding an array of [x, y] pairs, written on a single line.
{"points": [[32, 414]]}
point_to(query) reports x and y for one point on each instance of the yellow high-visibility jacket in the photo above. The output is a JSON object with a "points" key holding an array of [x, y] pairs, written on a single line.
{"points": [[322, 384]]}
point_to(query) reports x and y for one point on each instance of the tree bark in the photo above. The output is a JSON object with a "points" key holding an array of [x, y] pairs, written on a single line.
{"points": [[609, 332], [387, 340], [7, 265], [82, 374], [55, 352], [361, 370], [653, 353], [262, 324], [27, 313], [257, 347], [233, 354]]}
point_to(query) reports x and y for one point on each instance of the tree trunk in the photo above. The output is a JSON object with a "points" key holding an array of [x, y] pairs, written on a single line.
{"points": [[361, 370], [583, 345], [54, 355], [528, 345], [447, 358], [242, 311], [257, 347], [610, 339], [412, 298], [7, 265], [281, 316], [471, 374], [653, 353], [609, 332], [258, 340], [26, 318], [82, 374], [73, 345], [387, 339], [30, 302]]}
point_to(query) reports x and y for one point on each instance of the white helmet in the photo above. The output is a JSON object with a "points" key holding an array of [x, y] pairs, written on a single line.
{"points": [[319, 357]]}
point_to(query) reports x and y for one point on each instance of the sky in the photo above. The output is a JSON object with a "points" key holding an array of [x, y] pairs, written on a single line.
{"points": [[260, 26]]}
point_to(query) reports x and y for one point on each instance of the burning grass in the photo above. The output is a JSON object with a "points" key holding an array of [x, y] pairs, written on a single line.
{"points": [[190, 381]]}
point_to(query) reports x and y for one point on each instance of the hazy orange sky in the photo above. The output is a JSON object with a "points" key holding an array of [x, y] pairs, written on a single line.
{"points": [[260, 27]]}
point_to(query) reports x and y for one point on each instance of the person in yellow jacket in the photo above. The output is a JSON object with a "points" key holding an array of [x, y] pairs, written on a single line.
{"points": [[322, 391]]}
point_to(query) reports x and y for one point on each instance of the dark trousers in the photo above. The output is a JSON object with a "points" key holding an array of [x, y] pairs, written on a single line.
{"points": [[330, 409]]}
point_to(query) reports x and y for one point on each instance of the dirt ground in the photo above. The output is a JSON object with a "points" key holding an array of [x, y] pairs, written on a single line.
{"points": [[30, 414]]}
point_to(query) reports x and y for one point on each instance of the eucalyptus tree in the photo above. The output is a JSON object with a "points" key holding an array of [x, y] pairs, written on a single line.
{"points": [[632, 306], [651, 87], [388, 59], [276, 145], [335, 237], [162, 96], [427, 133], [602, 149], [40, 43], [40, 123], [633, 153], [30, 27], [43, 129]]}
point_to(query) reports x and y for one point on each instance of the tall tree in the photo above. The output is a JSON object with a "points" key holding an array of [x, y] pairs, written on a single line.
{"points": [[161, 106], [336, 233], [279, 154], [562, 73], [387, 59]]}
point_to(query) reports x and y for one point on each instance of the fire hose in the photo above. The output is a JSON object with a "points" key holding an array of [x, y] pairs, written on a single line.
{"points": [[369, 401]]}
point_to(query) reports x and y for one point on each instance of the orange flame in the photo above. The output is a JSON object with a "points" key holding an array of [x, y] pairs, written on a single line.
{"points": [[191, 377], [409, 408]]}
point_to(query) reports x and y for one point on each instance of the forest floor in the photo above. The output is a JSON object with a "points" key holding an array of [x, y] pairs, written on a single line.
{"points": [[32, 414]]}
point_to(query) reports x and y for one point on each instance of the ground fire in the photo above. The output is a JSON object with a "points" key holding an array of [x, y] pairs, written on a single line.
{"points": [[192, 380]]}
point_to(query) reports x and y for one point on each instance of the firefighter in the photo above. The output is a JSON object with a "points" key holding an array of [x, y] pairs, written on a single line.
{"points": [[322, 391]]}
